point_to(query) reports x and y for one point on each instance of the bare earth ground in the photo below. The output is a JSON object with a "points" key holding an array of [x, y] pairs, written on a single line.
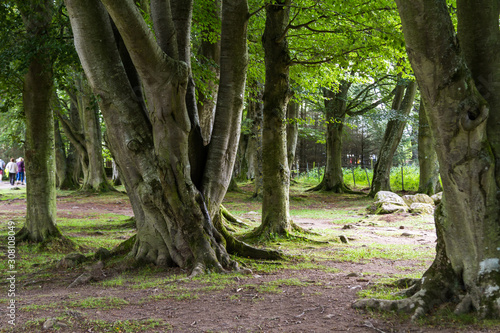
{"points": [[314, 299]]}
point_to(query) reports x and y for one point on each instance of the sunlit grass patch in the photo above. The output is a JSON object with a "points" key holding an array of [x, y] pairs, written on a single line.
{"points": [[105, 303], [128, 326], [381, 251]]}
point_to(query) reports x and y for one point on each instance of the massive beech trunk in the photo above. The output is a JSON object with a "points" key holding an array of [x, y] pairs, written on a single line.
{"points": [[39, 146], [153, 146], [392, 137], [463, 117], [427, 158], [276, 174]]}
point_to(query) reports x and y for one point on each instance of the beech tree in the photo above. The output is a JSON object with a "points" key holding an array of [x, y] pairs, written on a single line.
{"points": [[338, 106], [38, 86], [455, 76], [175, 190], [401, 107]]}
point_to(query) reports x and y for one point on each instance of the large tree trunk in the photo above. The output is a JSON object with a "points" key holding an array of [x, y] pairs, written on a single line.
{"points": [[39, 146], [427, 158], [276, 175], [335, 105], [151, 146], [392, 136], [467, 265]]}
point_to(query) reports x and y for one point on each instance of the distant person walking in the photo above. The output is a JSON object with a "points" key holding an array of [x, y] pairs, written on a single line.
{"points": [[11, 168], [2, 167], [20, 170]]}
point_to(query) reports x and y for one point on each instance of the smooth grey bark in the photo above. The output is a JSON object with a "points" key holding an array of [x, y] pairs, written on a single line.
{"points": [[276, 174], [462, 117], [392, 137], [116, 175], [152, 146], [427, 158], [40, 164]]}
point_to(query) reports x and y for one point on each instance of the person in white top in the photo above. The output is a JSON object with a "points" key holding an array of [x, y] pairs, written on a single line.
{"points": [[11, 167]]}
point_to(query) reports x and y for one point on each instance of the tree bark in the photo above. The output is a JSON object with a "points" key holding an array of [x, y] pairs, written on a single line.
{"points": [[392, 137], [152, 146], [40, 223], [467, 268], [276, 174], [427, 158]]}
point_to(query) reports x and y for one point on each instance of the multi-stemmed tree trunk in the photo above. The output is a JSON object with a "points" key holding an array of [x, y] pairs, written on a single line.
{"points": [[392, 137], [463, 113], [176, 200], [39, 146], [276, 174], [427, 158]]}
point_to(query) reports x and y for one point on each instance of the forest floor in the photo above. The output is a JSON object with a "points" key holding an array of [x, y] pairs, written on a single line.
{"points": [[311, 291]]}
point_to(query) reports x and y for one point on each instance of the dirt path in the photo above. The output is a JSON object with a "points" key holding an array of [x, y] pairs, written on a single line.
{"points": [[298, 296]]}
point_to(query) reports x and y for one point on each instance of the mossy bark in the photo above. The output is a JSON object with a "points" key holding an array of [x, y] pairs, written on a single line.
{"points": [[276, 174], [151, 141], [467, 266], [40, 223]]}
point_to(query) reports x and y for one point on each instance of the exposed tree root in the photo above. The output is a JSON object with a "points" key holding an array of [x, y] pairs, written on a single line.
{"points": [[440, 284], [232, 219], [240, 248], [338, 188]]}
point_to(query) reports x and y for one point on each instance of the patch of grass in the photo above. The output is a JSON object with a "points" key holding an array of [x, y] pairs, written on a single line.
{"points": [[128, 326], [104, 303], [114, 282]]}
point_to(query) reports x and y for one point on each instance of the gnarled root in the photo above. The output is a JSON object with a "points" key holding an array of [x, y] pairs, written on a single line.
{"points": [[232, 219], [237, 247], [338, 188]]}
